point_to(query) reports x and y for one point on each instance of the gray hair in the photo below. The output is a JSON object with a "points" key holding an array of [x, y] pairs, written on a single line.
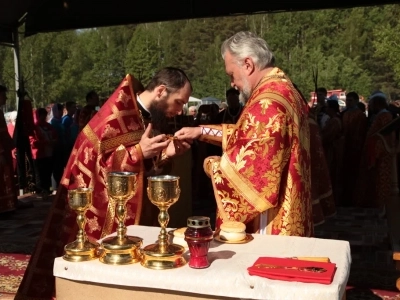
{"points": [[247, 44]]}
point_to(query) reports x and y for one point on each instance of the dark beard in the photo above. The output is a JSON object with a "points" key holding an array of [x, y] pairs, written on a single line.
{"points": [[158, 118]]}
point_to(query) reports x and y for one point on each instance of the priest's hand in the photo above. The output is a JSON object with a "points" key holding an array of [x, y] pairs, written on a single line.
{"points": [[152, 146], [177, 147], [188, 133]]}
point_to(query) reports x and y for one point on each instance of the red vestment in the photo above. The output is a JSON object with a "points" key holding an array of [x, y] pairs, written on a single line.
{"points": [[354, 131], [265, 164], [109, 142], [8, 196], [321, 187], [374, 184], [332, 142]]}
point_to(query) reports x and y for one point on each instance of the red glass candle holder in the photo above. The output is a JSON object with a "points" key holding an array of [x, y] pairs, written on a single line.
{"points": [[198, 236]]}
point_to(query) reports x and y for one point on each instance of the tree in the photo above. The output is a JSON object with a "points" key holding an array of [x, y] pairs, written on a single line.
{"points": [[142, 58]]}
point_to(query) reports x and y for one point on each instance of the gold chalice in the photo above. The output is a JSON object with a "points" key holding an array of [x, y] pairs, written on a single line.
{"points": [[81, 249], [163, 191], [121, 249]]}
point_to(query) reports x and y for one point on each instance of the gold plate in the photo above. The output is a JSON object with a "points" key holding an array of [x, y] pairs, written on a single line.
{"points": [[247, 239]]}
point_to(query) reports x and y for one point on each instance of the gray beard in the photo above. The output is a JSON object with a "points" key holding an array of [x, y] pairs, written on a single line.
{"points": [[244, 95], [246, 92], [243, 98]]}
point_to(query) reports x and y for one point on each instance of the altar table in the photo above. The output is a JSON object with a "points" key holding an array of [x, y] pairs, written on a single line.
{"points": [[226, 278]]}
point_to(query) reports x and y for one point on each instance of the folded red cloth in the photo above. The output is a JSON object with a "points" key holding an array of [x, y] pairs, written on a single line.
{"points": [[289, 269]]}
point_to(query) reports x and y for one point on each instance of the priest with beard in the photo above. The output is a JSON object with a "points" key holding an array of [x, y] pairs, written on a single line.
{"points": [[263, 176], [126, 134]]}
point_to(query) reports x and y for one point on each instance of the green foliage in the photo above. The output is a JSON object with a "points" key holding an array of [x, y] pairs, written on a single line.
{"points": [[143, 55], [354, 49]]}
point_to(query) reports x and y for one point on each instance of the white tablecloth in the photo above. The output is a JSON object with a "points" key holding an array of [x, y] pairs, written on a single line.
{"points": [[227, 276]]}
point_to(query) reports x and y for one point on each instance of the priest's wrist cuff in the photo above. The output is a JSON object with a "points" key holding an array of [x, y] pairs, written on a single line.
{"points": [[210, 131]]}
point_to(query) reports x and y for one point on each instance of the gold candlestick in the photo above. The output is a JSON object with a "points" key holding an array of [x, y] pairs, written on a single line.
{"points": [[163, 191], [81, 249], [121, 249]]}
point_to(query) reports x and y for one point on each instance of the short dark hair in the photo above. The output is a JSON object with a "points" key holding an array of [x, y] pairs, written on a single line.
{"points": [[173, 78], [232, 91], [3, 88], [41, 112], [322, 90], [90, 95], [69, 104], [353, 95], [333, 104], [379, 100], [361, 106]]}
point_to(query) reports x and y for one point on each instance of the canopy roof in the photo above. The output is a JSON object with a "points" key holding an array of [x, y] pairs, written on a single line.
{"points": [[57, 15]]}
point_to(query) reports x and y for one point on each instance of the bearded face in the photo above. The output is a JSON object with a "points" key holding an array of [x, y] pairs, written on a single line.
{"points": [[158, 111], [238, 78], [245, 91]]}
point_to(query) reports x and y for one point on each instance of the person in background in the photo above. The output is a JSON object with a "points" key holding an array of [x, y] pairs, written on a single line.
{"points": [[49, 111], [193, 111], [318, 111], [354, 124], [67, 121], [11, 129], [374, 184], [75, 126], [8, 196], [89, 110], [332, 141], [59, 147], [362, 107], [42, 144]]}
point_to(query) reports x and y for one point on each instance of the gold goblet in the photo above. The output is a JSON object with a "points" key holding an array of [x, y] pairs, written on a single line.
{"points": [[81, 249], [121, 249], [163, 191]]}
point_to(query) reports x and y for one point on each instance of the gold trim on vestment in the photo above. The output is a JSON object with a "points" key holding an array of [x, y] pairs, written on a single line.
{"points": [[83, 169], [139, 153], [126, 139], [225, 137], [240, 184], [242, 187], [91, 136], [109, 219]]}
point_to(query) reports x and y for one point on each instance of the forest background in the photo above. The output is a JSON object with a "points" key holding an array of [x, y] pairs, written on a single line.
{"points": [[354, 49]]}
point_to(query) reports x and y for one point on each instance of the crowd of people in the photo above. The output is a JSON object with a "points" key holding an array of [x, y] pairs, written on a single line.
{"points": [[52, 132], [269, 160], [359, 157]]}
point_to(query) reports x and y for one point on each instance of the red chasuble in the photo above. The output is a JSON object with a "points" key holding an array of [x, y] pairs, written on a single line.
{"points": [[266, 161], [109, 142]]}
